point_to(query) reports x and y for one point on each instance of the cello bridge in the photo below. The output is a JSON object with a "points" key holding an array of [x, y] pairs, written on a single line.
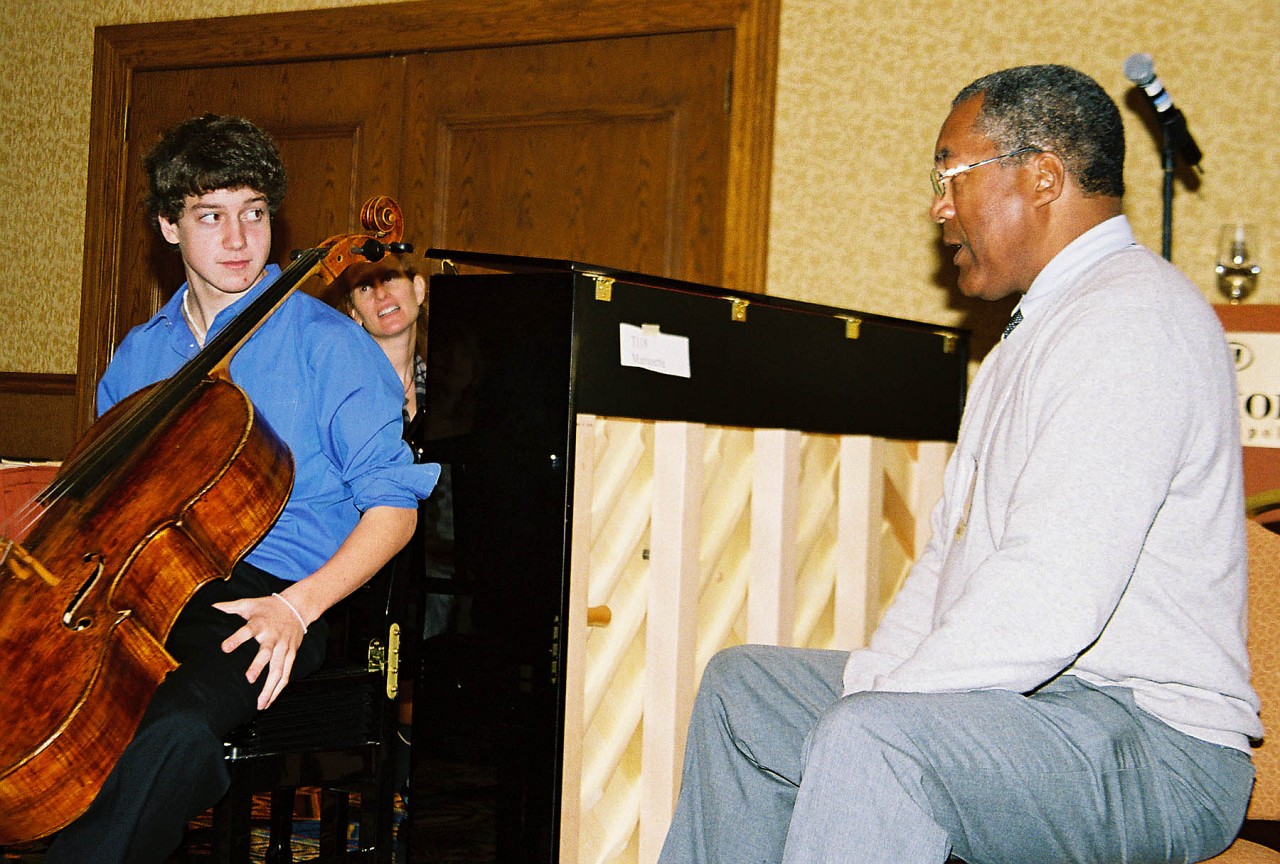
{"points": [[23, 565]]}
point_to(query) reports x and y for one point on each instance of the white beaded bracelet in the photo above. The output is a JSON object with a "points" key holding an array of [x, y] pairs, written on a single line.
{"points": [[294, 610]]}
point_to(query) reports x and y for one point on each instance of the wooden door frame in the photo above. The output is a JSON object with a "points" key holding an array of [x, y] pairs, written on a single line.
{"points": [[412, 27]]}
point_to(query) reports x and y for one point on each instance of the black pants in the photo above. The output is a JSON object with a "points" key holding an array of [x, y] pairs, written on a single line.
{"points": [[173, 769]]}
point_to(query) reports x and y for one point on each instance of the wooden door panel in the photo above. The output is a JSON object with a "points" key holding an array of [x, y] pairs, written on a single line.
{"points": [[609, 151], [329, 178], [552, 208], [335, 124], [123, 53]]}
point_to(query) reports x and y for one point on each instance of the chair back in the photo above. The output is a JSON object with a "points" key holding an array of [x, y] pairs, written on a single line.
{"points": [[1264, 657], [19, 485]]}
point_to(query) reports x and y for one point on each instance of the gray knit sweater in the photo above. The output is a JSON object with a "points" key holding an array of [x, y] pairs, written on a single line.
{"points": [[1092, 516]]}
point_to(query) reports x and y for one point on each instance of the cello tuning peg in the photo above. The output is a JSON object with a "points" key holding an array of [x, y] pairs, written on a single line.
{"points": [[400, 247], [371, 250], [295, 254]]}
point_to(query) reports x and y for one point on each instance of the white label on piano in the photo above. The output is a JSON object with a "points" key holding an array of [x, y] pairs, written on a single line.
{"points": [[649, 348]]}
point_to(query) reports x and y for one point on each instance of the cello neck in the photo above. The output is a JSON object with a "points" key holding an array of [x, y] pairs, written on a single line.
{"points": [[87, 468], [217, 353]]}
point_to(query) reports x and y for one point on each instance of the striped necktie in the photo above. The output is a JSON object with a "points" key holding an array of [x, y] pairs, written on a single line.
{"points": [[1014, 321]]}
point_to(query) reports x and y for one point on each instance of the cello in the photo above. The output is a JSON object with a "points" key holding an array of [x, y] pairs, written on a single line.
{"points": [[167, 491]]}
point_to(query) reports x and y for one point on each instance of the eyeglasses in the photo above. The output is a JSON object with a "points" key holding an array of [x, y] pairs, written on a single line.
{"points": [[940, 178]]}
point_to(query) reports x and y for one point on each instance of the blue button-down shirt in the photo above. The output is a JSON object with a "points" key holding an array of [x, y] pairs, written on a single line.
{"points": [[325, 388]]}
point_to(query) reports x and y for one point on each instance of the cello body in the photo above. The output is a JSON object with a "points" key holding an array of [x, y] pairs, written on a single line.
{"points": [[118, 561]]}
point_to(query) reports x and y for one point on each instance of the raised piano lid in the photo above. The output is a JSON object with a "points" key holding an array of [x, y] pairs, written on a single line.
{"points": [[757, 360]]}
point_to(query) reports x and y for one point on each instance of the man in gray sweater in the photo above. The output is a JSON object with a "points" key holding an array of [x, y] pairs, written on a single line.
{"points": [[1063, 676]]}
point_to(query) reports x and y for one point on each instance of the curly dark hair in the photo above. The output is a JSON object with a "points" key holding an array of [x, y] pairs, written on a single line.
{"points": [[207, 153], [1056, 109]]}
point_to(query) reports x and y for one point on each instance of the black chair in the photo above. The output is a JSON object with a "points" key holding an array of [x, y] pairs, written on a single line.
{"points": [[334, 730]]}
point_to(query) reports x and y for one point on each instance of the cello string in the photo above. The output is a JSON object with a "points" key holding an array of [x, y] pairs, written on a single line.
{"points": [[164, 397], [20, 521], [167, 395]]}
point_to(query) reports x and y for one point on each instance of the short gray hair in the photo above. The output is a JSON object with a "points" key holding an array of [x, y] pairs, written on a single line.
{"points": [[1056, 109]]}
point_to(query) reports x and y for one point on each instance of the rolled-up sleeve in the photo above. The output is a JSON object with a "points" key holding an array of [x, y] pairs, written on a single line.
{"points": [[360, 407]]}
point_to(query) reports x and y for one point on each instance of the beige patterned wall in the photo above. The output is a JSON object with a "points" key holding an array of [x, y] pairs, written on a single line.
{"points": [[46, 56], [862, 87]]}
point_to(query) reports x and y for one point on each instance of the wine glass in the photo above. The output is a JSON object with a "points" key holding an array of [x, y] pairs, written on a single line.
{"points": [[1237, 267]]}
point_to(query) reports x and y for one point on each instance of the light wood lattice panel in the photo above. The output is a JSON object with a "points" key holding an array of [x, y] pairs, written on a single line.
{"points": [[697, 538]]}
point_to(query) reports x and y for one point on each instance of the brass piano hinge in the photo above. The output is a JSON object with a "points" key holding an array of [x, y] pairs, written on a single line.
{"points": [[555, 650], [738, 309], [442, 267], [604, 288], [949, 341], [852, 327], [393, 661], [377, 656]]}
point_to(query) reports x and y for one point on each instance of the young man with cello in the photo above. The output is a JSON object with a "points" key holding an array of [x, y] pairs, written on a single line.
{"points": [[330, 395]]}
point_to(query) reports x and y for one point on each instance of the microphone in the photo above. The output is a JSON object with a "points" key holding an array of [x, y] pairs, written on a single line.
{"points": [[1141, 70]]}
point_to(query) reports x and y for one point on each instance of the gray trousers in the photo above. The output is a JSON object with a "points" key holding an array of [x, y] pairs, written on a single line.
{"points": [[780, 767]]}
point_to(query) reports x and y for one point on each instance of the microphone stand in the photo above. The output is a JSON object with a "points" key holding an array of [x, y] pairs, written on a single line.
{"points": [[1167, 156]]}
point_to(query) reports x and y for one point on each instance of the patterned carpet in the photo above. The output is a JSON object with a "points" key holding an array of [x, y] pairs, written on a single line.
{"points": [[455, 817], [305, 843], [306, 830], [455, 813]]}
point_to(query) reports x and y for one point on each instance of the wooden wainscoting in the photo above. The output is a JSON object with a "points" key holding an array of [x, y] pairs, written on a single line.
{"points": [[697, 538], [37, 415]]}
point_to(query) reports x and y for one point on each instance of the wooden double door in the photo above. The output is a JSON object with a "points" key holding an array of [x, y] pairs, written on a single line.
{"points": [[609, 151], [635, 136]]}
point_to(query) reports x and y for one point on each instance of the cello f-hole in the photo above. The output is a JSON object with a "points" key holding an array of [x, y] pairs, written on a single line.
{"points": [[72, 619]]}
